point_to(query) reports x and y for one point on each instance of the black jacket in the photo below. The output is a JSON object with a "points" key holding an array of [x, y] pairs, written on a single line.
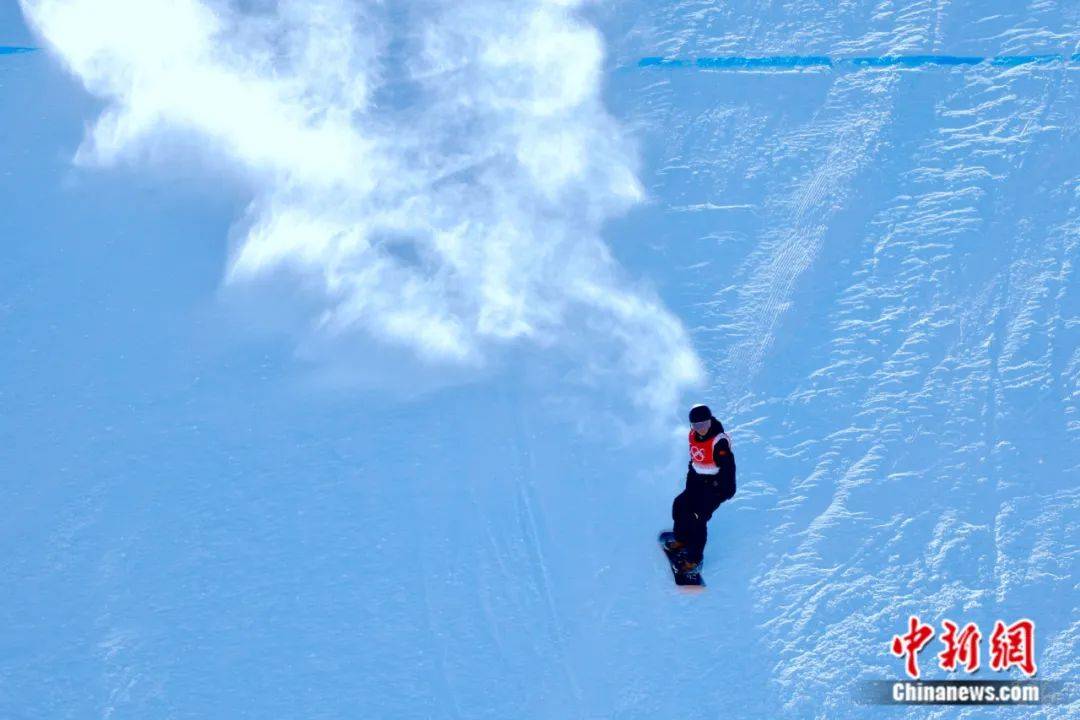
{"points": [[723, 483]]}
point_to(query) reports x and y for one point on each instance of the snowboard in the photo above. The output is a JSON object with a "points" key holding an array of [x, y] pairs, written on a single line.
{"points": [[681, 578]]}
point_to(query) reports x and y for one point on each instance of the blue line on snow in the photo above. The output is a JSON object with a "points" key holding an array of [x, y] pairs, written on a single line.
{"points": [[661, 62], [914, 60], [9, 50], [778, 61], [1009, 60], [735, 62]]}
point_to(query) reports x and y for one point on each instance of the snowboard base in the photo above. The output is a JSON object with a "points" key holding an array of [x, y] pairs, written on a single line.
{"points": [[693, 579]]}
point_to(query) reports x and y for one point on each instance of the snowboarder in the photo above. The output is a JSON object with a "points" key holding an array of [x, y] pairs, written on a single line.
{"points": [[710, 480]]}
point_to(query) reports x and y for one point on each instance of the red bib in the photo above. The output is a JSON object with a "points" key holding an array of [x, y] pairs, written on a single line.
{"points": [[701, 453]]}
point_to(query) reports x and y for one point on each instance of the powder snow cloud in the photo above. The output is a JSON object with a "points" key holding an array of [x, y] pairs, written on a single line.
{"points": [[440, 169]]}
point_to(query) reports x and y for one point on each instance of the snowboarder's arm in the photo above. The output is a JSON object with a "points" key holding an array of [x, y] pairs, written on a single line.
{"points": [[724, 459], [721, 450]]}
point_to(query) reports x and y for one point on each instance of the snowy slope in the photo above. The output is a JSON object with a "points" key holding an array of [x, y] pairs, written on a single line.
{"points": [[211, 513], [896, 319]]}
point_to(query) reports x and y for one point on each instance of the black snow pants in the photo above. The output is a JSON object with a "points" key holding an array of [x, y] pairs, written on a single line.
{"points": [[694, 506]]}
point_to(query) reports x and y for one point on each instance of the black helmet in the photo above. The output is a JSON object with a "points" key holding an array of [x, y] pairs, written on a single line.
{"points": [[700, 413]]}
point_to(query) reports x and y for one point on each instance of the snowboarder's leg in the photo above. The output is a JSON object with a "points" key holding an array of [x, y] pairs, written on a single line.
{"points": [[696, 536], [687, 512], [702, 513], [703, 510], [682, 516]]}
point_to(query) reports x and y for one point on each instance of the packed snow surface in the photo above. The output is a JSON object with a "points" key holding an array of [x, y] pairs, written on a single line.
{"points": [[346, 349]]}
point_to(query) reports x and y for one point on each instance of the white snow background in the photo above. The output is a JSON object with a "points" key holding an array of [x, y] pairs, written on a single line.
{"points": [[345, 349]]}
